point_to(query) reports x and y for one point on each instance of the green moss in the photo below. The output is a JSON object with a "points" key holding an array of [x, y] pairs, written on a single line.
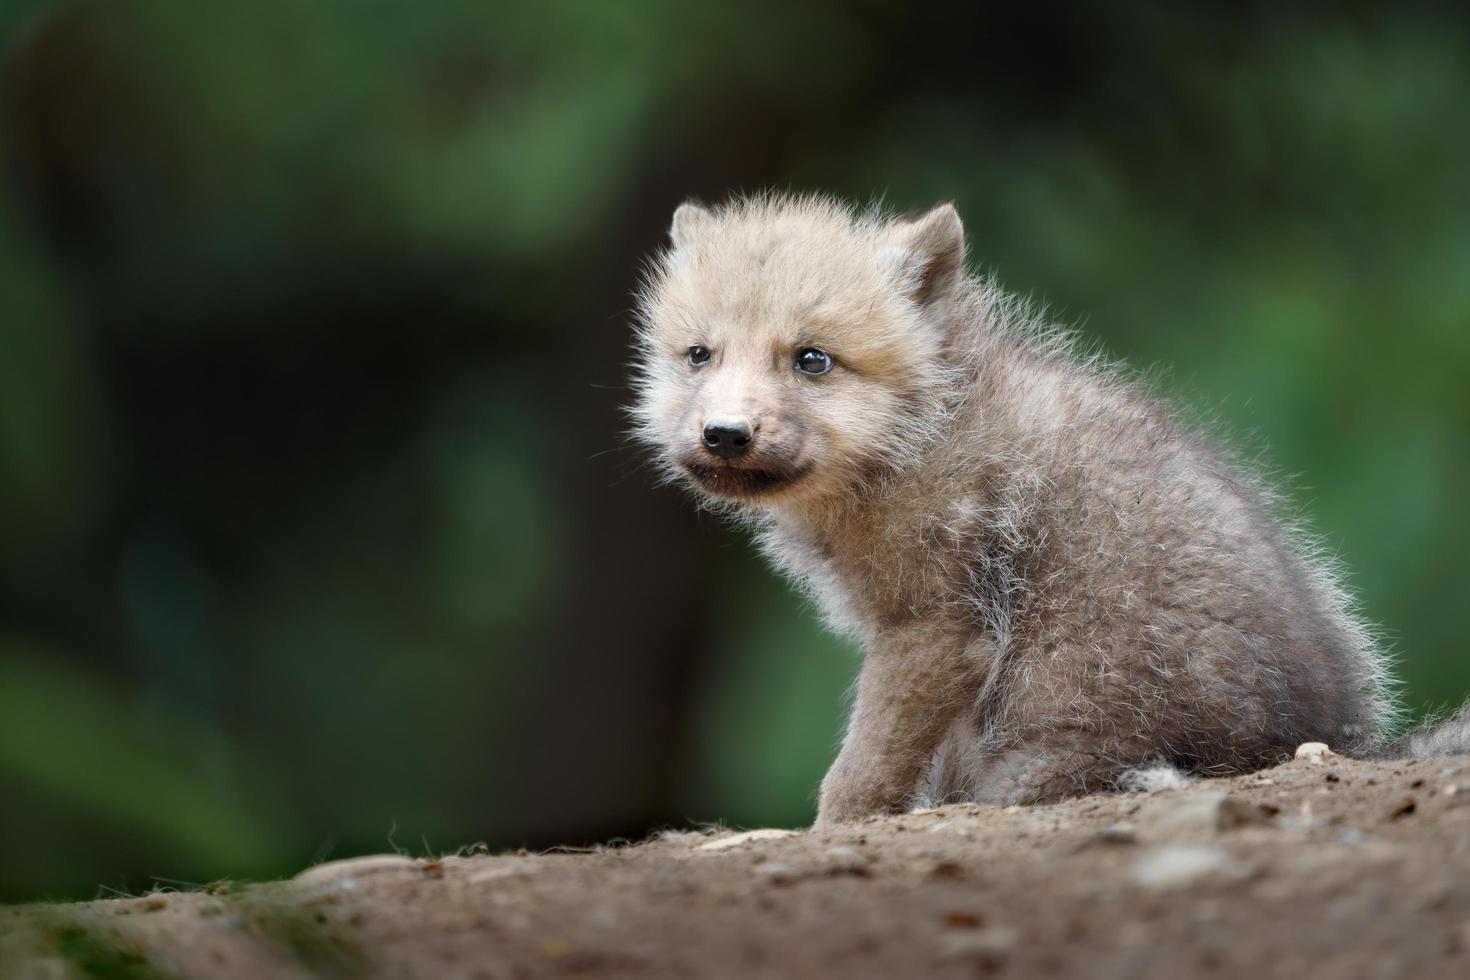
{"points": [[94, 954], [93, 951], [304, 933]]}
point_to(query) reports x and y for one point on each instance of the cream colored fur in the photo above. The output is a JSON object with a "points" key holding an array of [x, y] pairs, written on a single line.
{"points": [[1054, 581]]}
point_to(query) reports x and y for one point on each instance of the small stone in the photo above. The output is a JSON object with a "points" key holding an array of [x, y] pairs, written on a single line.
{"points": [[850, 869], [1207, 812], [359, 867], [1118, 833], [1313, 751], [502, 867], [1182, 864], [1405, 807], [748, 837], [962, 920], [989, 948]]}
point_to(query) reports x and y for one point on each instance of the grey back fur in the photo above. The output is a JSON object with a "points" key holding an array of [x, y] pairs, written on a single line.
{"points": [[1056, 580]]}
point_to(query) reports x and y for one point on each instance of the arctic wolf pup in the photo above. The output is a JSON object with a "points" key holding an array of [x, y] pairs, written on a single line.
{"points": [[1056, 583]]}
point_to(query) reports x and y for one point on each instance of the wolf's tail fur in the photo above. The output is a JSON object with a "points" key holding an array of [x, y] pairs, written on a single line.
{"points": [[1433, 738]]}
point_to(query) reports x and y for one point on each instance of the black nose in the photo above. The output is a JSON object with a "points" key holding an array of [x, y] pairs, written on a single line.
{"points": [[727, 437]]}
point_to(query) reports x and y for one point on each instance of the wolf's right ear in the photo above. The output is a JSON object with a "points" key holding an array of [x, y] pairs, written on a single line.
{"points": [[927, 253], [689, 218]]}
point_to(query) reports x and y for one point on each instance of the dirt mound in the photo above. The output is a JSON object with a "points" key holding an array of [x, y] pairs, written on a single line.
{"points": [[1326, 867]]}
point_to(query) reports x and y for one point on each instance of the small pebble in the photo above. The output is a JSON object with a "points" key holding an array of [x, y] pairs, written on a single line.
{"points": [[1118, 833], [1202, 812], [1182, 864], [360, 867], [990, 947], [748, 837], [1314, 751]]}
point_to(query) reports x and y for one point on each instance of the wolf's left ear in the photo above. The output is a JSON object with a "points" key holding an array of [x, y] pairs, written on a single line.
{"points": [[927, 253], [689, 217]]}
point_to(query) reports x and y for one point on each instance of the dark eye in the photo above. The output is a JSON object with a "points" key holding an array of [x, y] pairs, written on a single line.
{"points": [[813, 360], [698, 355]]}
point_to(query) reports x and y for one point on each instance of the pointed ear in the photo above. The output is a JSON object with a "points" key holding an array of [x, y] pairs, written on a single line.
{"points": [[928, 253], [689, 218]]}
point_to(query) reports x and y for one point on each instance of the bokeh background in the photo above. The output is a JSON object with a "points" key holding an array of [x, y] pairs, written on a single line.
{"points": [[317, 532]]}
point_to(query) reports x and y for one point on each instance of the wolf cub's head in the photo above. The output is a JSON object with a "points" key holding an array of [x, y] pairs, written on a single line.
{"points": [[791, 348]]}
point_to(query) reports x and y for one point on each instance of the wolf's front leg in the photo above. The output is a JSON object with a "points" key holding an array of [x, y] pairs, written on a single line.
{"points": [[912, 686]]}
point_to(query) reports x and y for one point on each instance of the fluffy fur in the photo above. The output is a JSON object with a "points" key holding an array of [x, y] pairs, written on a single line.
{"points": [[1054, 580]]}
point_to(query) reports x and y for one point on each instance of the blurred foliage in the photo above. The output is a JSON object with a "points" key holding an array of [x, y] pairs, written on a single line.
{"points": [[317, 529]]}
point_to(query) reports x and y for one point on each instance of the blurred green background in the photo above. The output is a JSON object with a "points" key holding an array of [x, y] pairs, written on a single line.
{"points": [[317, 531]]}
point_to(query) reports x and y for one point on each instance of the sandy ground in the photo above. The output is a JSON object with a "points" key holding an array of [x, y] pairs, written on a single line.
{"points": [[1326, 868]]}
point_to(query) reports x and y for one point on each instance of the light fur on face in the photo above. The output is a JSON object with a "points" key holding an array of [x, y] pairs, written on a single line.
{"points": [[1055, 581], [742, 283]]}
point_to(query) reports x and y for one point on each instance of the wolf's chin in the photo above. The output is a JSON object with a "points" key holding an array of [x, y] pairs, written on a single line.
{"points": [[747, 483]]}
